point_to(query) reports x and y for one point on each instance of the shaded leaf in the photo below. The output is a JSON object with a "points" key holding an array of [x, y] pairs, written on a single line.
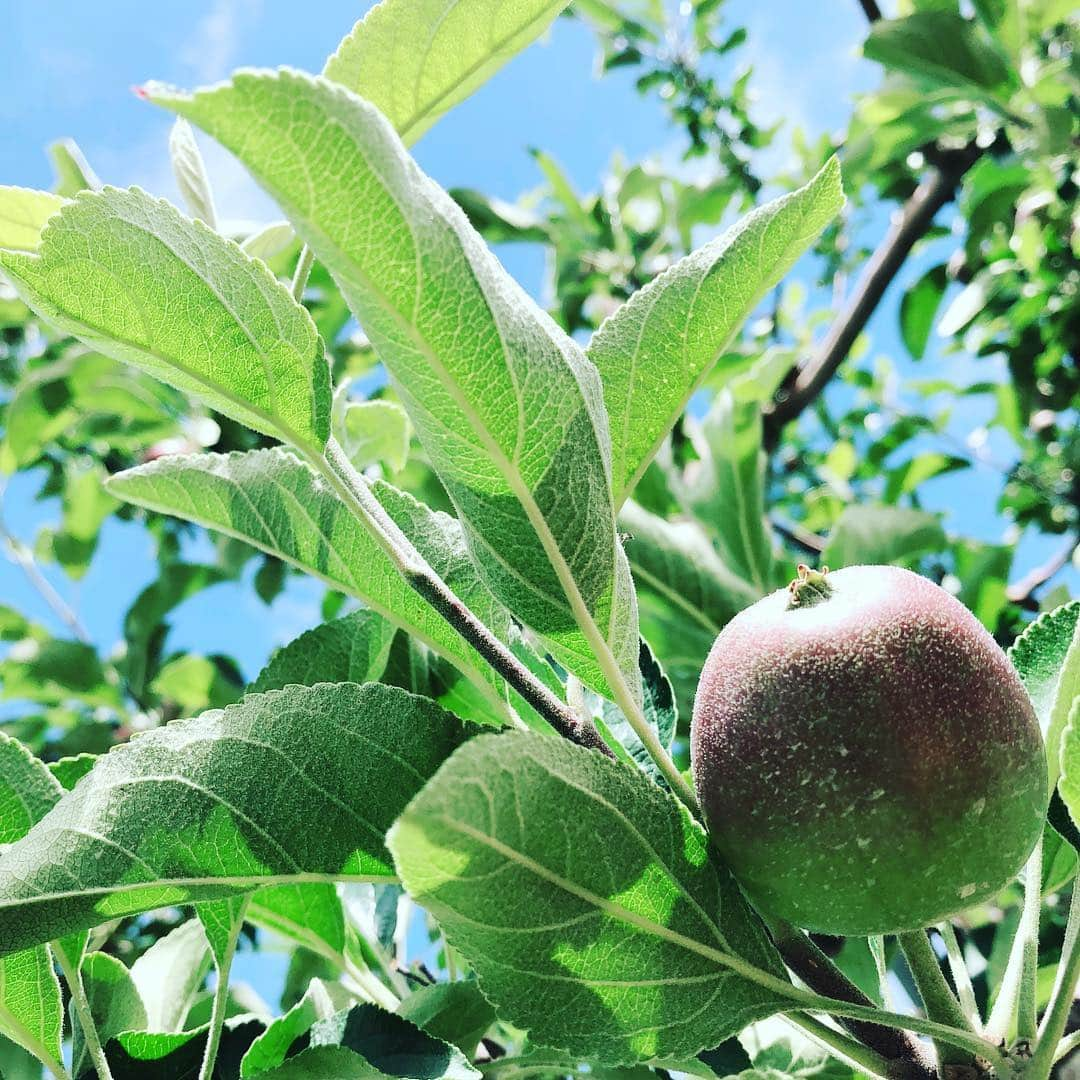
{"points": [[919, 306], [610, 933], [881, 534], [272, 500]]}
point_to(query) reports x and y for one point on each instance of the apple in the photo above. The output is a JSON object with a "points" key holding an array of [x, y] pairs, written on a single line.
{"points": [[866, 758]]}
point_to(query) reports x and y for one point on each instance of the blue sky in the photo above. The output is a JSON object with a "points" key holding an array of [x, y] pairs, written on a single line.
{"points": [[69, 71]]}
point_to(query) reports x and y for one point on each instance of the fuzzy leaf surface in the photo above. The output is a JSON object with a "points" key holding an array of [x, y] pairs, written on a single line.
{"points": [[609, 931], [1047, 657], [136, 280], [507, 406], [23, 213], [31, 1009], [654, 352], [271, 499], [208, 808]]}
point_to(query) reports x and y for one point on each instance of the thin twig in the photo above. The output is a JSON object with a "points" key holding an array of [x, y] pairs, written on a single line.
{"points": [[1023, 590], [414, 568], [1057, 1012], [870, 10], [820, 974], [909, 226]]}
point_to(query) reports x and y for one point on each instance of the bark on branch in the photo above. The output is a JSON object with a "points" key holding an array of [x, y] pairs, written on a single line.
{"points": [[909, 226]]}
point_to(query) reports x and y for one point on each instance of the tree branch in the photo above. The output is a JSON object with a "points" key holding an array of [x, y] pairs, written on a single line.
{"points": [[909, 226], [414, 568], [822, 976], [1022, 592], [870, 10]]}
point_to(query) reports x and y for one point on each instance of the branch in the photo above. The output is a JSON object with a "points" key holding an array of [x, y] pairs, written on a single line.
{"points": [[909, 226], [822, 976], [1022, 592], [414, 568], [870, 10]]}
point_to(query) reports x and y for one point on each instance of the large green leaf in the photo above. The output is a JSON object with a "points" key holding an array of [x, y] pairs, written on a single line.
{"points": [[23, 213], [354, 648], [271, 499], [415, 59], [1047, 656], [941, 47], [507, 406], [1069, 782], [882, 534], [583, 896], [654, 352], [223, 804], [31, 1012], [135, 279]]}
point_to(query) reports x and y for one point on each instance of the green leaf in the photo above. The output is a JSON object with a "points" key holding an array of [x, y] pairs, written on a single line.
{"points": [[882, 534], [195, 683], [73, 171], [115, 1005], [170, 974], [136, 1055], [415, 59], [354, 648], [507, 407], [135, 279], [197, 810], [686, 594], [656, 350], [374, 432], [365, 1042], [726, 491], [456, 1012], [272, 500], [321, 1001], [658, 705], [309, 914], [23, 213], [1069, 783], [190, 173], [919, 306], [940, 47], [1059, 861], [610, 934], [31, 1011], [1047, 657], [70, 770]]}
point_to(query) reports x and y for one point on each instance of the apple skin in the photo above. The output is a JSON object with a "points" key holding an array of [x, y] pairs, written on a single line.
{"points": [[867, 759]]}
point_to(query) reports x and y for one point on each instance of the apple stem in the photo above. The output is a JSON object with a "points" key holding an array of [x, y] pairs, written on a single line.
{"points": [[1057, 1012], [938, 999], [810, 587]]}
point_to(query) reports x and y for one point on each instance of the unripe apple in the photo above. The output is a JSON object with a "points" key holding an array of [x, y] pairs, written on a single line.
{"points": [[866, 757]]}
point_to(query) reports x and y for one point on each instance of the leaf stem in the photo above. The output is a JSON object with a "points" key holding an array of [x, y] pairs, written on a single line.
{"points": [[961, 976], [1015, 1004], [846, 1047], [1067, 1046], [221, 991], [1057, 1012], [938, 1000], [82, 1010], [302, 272], [414, 568]]}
